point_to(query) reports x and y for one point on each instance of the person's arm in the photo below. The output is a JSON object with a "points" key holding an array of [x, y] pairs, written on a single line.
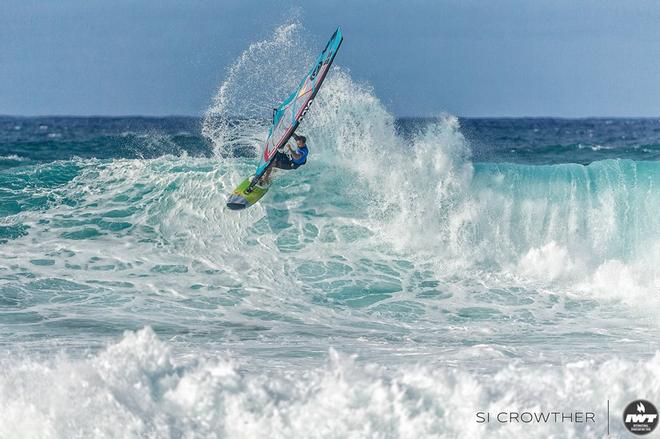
{"points": [[296, 155]]}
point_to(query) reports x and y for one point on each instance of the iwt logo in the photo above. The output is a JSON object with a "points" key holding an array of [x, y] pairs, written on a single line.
{"points": [[640, 417]]}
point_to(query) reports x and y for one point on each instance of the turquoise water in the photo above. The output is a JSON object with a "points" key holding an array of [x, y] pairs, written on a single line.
{"points": [[411, 274]]}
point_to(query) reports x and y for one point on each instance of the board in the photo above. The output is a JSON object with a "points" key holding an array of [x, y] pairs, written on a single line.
{"points": [[241, 198], [286, 119]]}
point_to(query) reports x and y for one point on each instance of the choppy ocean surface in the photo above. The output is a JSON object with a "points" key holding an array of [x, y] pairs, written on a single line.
{"points": [[413, 273]]}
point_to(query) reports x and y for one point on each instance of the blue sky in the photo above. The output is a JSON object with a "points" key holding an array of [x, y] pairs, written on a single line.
{"points": [[469, 58]]}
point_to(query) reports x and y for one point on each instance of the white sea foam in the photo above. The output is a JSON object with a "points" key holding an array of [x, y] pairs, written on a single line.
{"points": [[13, 157], [138, 388]]}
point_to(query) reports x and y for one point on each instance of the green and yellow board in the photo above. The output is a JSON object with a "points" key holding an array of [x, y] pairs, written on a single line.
{"points": [[242, 199]]}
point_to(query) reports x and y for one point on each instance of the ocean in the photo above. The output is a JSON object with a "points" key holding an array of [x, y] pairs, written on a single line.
{"points": [[415, 273]]}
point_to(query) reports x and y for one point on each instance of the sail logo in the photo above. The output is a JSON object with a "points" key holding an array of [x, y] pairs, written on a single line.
{"points": [[305, 110], [316, 70], [640, 417]]}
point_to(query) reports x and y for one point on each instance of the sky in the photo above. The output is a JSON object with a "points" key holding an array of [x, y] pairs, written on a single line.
{"points": [[504, 58]]}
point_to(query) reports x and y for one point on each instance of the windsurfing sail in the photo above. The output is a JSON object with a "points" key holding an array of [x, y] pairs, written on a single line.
{"points": [[291, 112]]}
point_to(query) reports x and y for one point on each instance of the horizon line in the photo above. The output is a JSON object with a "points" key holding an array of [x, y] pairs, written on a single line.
{"points": [[190, 116]]}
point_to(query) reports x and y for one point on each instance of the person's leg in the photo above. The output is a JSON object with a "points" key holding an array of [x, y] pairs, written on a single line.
{"points": [[281, 161], [265, 179]]}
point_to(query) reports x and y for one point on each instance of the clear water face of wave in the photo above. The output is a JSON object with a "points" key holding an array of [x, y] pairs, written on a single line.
{"points": [[410, 275]]}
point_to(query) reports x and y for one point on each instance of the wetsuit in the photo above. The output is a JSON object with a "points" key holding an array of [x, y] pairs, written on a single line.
{"points": [[282, 161]]}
